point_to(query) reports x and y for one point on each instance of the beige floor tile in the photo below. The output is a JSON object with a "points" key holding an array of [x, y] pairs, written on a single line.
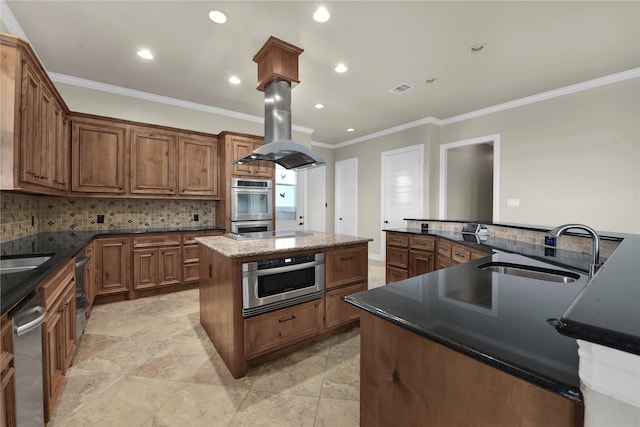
{"points": [[91, 344], [342, 378], [338, 413], [345, 345], [177, 360], [214, 371], [263, 409], [199, 405], [300, 374], [118, 324], [122, 357]]}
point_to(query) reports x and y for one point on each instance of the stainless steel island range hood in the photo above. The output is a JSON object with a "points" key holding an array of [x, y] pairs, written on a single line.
{"points": [[277, 71]]}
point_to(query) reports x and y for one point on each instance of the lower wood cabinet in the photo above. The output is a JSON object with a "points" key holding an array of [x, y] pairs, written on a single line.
{"points": [[113, 265], [337, 311], [157, 267], [409, 255], [58, 332], [7, 377], [272, 330]]}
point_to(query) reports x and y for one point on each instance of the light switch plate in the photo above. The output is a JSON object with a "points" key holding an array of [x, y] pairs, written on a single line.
{"points": [[514, 203]]}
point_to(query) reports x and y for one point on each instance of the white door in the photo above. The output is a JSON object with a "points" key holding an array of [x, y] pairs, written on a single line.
{"points": [[346, 197], [289, 205], [316, 199], [402, 181]]}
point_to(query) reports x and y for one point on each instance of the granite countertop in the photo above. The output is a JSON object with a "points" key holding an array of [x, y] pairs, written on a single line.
{"points": [[244, 248], [498, 319], [64, 245], [607, 311]]}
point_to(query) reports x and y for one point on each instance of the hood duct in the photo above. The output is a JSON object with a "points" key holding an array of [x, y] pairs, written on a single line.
{"points": [[277, 70]]}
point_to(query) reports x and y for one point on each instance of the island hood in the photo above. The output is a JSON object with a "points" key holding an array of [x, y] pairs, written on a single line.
{"points": [[277, 72]]}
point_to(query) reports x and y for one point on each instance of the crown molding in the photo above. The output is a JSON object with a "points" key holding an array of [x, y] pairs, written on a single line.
{"points": [[322, 145], [395, 129], [147, 96]]}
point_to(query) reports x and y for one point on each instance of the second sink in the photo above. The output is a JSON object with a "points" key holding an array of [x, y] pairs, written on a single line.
{"points": [[18, 263], [530, 272]]}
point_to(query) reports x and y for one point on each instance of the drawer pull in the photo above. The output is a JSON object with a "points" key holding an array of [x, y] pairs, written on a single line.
{"points": [[346, 259], [286, 319]]}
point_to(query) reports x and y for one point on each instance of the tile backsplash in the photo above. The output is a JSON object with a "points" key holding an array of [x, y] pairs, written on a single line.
{"points": [[61, 214]]}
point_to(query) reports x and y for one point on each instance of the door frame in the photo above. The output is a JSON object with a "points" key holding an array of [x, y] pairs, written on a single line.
{"points": [[444, 148], [420, 149], [323, 183]]}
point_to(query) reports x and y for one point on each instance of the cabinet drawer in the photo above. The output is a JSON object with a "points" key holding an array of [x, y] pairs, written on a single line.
{"points": [[190, 254], [422, 243], [190, 238], [399, 240], [444, 248], [395, 275], [168, 239], [271, 330], [336, 310], [54, 285], [442, 262], [398, 257], [479, 254], [460, 255], [346, 266]]}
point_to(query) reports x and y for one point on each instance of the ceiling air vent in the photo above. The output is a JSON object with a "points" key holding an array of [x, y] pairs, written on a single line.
{"points": [[401, 88]]}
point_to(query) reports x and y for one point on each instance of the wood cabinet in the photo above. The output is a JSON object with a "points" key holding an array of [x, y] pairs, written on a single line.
{"points": [[90, 277], [433, 385], [157, 261], [58, 331], [274, 329], [346, 273], [154, 161], [241, 147], [421, 254], [451, 253], [191, 254], [113, 265], [98, 153], [34, 131], [7, 375], [198, 163], [408, 255]]}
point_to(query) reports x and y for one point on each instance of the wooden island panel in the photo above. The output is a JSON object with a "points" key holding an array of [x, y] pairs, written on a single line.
{"points": [[408, 380]]}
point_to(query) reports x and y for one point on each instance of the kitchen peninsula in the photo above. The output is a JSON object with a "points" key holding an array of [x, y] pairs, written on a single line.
{"points": [[278, 328]]}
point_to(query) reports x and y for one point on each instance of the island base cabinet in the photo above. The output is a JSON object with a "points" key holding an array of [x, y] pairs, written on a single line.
{"points": [[337, 311], [272, 330], [434, 385]]}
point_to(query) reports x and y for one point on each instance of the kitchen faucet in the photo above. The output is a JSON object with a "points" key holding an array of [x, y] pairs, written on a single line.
{"points": [[595, 263]]}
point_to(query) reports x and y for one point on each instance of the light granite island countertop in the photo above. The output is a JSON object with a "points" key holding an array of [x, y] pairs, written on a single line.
{"points": [[245, 338]]}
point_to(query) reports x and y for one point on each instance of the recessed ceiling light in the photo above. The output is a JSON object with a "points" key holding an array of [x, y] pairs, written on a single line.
{"points": [[341, 68], [145, 53], [217, 16], [477, 47], [319, 106], [350, 130], [234, 80], [321, 14]]}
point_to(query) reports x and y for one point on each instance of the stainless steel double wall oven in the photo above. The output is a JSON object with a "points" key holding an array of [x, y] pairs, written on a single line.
{"points": [[251, 205]]}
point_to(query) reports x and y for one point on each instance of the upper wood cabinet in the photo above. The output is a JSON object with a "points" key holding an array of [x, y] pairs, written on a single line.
{"points": [[241, 147], [35, 144], [198, 162], [98, 153], [154, 160]]}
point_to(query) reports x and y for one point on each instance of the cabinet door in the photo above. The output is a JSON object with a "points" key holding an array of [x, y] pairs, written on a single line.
{"points": [[98, 157], [112, 265], [262, 169], [395, 274], [170, 266], [198, 166], [337, 311], [69, 324], [442, 262], [420, 263], [61, 150], [89, 275], [242, 147], [145, 268], [53, 330], [154, 160], [7, 379], [191, 265], [30, 126]]}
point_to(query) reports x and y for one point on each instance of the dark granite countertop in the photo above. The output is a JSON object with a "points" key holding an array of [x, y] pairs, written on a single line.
{"points": [[64, 245], [607, 311], [498, 319]]}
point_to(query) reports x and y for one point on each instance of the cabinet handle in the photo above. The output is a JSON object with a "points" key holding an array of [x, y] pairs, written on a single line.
{"points": [[286, 319], [210, 272], [346, 259]]}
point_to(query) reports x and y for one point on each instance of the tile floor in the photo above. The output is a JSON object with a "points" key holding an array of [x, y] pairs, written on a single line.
{"points": [[148, 362]]}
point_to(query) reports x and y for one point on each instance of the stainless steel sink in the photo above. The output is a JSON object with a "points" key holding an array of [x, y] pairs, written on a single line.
{"points": [[16, 264], [531, 272]]}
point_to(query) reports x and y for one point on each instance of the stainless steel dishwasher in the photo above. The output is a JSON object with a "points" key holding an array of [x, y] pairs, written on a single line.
{"points": [[27, 318]]}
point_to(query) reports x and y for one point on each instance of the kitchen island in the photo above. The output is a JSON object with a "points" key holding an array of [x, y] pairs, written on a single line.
{"points": [[252, 339], [468, 346]]}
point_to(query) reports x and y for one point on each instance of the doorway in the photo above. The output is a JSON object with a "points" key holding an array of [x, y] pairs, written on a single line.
{"points": [[469, 179], [316, 199]]}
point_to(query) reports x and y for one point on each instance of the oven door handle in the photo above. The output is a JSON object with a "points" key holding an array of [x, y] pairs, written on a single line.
{"points": [[285, 269]]}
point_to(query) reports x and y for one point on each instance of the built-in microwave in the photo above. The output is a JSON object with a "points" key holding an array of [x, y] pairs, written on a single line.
{"points": [[251, 200]]}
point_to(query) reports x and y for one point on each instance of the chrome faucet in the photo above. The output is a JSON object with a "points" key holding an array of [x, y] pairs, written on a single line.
{"points": [[595, 263]]}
